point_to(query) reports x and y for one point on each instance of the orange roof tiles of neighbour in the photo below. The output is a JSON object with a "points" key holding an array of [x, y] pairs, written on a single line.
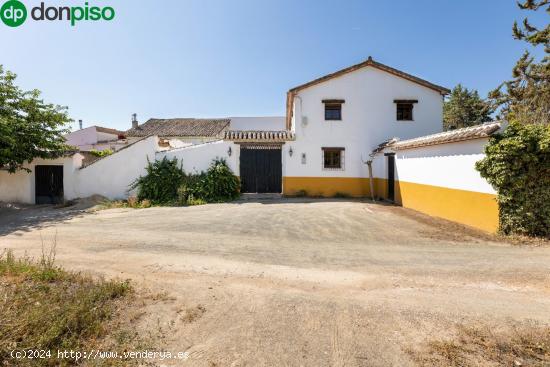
{"points": [[180, 127], [467, 133], [258, 136], [108, 130]]}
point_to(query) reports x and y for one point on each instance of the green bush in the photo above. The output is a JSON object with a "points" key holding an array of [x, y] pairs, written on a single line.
{"points": [[217, 184], [517, 165], [101, 153], [160, 184]]}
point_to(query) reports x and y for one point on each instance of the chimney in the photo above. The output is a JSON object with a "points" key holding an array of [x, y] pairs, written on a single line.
{"points": [[80, 124], [134, 121]]}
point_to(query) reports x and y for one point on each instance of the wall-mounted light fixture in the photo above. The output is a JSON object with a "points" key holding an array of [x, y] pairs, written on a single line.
{"points": [[229, 151], [290, 151]]}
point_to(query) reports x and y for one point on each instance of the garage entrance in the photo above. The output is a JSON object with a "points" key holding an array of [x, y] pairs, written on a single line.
{"points": [[261, 168], [48, 184]]}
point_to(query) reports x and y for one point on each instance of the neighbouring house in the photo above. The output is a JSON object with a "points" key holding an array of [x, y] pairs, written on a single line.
{"points": [[183, 132], [179, 132], [96, 138], [363, 131]]}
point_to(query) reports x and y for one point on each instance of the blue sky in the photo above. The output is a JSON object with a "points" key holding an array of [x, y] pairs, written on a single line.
{"points": [[210, 58]]}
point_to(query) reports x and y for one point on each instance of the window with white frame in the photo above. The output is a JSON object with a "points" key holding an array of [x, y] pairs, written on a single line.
{"points": [[333, 158]]}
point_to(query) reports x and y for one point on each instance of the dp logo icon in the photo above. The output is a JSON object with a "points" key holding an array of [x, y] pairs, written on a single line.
{"points": [[13, 13]]}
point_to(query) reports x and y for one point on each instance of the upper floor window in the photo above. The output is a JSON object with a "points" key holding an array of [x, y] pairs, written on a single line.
{"points": [[333, 109], [333, 158], [404, 109]]}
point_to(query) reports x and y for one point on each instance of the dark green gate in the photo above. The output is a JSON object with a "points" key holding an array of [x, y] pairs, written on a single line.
{"points": [[261, 169]]}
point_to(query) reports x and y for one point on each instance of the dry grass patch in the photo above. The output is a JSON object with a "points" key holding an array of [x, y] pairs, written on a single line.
{"points": [[518, 345], [44, 307], [192, 314]]}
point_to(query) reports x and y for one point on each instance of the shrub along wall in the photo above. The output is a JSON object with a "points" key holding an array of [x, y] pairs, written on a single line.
{"points": [[217, 184], [167, 183], [160, 184], [517, 165]]}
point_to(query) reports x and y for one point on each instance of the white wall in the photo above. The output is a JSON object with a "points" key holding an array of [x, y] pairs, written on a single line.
{"points": [[112, 175], [197, 158], [20, 186], [80, 137], [449, 165], [89, 138], [368, 118], [267, 123]]}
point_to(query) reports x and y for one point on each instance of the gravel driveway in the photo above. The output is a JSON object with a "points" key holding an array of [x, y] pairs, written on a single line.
{"points": [[297, 282]]}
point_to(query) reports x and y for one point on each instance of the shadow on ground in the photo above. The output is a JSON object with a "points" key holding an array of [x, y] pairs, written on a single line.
{"points": [[25, 218]]}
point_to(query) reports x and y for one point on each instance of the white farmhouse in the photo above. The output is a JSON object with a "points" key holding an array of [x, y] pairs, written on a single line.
{"points": [[340, 118], [355, 132]]}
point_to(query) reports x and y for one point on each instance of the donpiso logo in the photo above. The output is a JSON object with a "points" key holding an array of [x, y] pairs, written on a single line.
{"points": [[14, 13]]}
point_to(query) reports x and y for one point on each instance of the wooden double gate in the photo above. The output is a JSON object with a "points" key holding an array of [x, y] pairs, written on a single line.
{"points": [[261, 168]]}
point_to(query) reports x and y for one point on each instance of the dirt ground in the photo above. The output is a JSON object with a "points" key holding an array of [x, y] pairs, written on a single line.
{"points": [[295, 282]]}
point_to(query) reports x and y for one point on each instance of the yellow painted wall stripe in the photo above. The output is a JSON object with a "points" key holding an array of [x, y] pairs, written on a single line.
{"points": [[476, 209], [326, 186]]}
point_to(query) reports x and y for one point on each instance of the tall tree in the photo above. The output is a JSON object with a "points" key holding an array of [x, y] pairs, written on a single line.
{"points": [[29, 128], [526, 98], [465, 108]]}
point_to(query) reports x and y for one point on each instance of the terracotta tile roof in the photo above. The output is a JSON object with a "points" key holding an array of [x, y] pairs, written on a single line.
{"points": [[467, 133], [180, 127], [107, 130], [258, 136], [369, 62]]}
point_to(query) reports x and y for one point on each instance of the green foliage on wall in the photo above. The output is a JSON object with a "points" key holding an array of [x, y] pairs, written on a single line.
{"points": [[517, 165], [160, 184], [217, 184], [101, 153]]}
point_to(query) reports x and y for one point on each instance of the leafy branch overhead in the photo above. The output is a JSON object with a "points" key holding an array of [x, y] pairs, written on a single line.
{"points": [[526, 98], [29, 127]]}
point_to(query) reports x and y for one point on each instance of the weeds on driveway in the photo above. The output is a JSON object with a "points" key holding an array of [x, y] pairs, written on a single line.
{"points": [[519, 345], [45, 308]]}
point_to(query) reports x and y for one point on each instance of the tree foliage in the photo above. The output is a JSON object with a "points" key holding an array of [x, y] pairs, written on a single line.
{"points": [[29, 128], [465, 108], [517, 165], [526, 98]]}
